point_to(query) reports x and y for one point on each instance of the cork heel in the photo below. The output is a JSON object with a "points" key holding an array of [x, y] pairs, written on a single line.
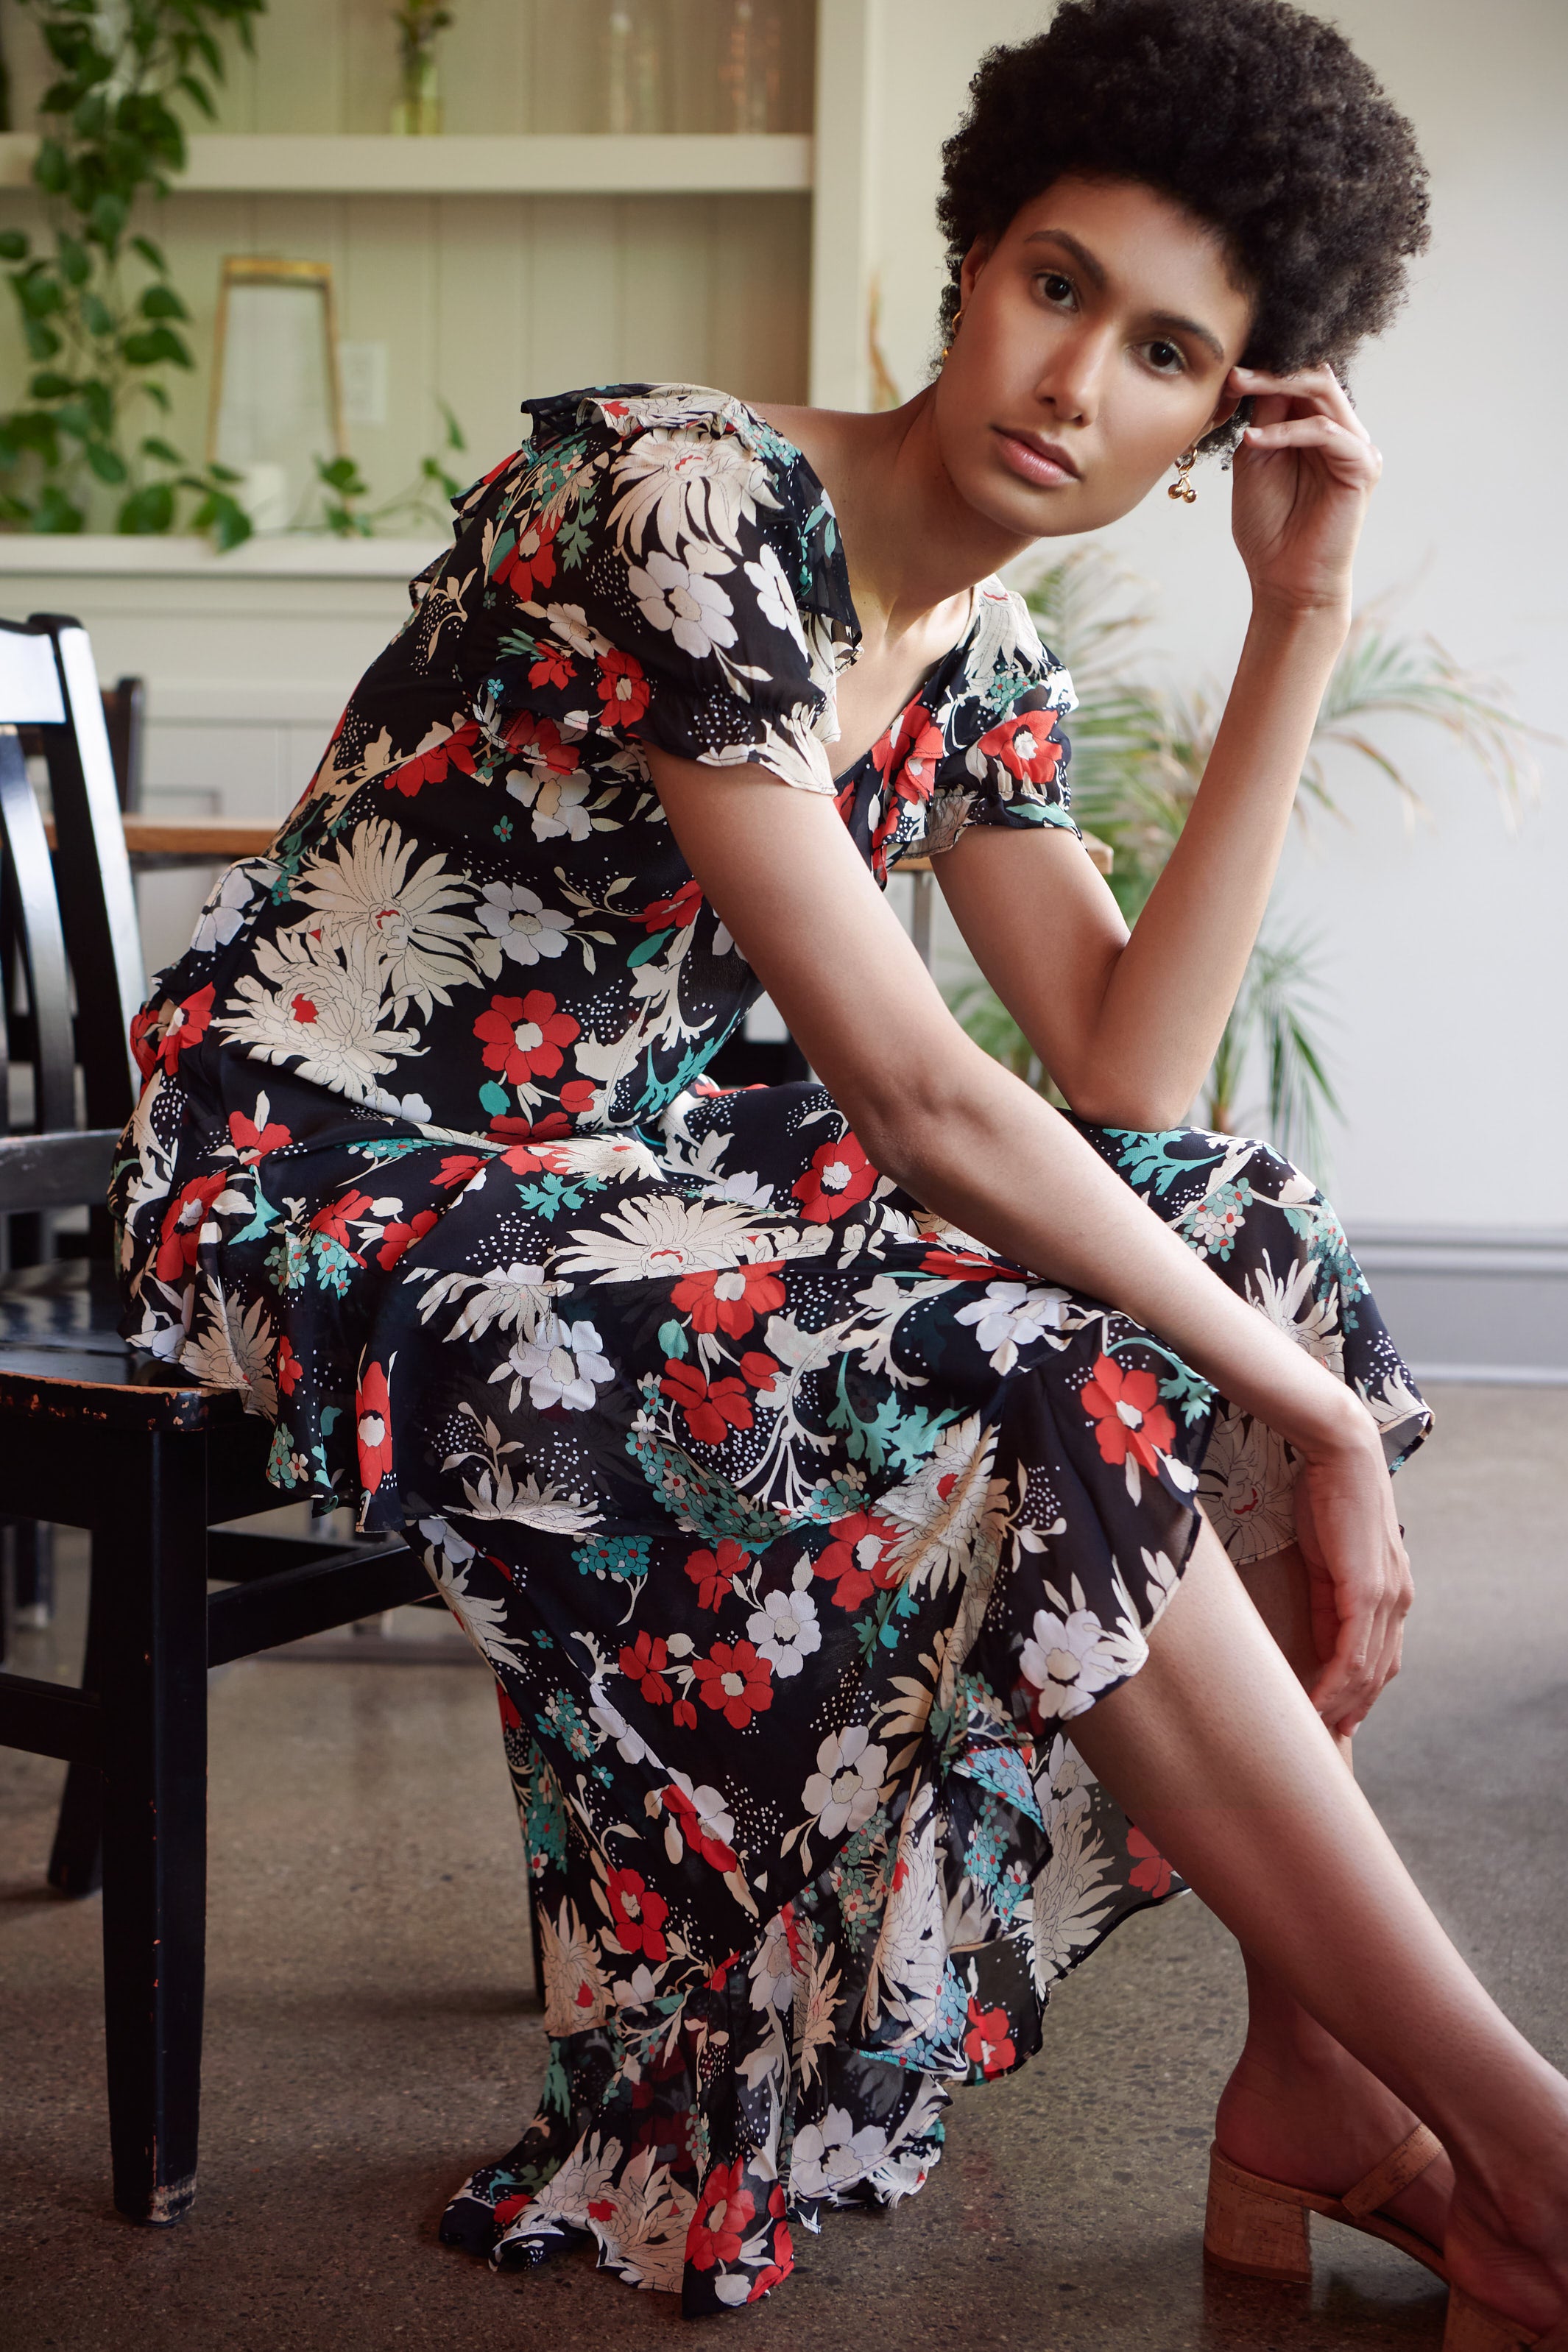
{"points": [[1258, 2227], [1473, 2328]]}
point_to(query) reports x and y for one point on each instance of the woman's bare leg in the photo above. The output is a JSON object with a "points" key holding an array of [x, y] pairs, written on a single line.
{"points": [[1215, 1750], [1298, 2107]]}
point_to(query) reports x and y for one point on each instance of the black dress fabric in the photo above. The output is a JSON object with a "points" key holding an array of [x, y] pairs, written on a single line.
{"points": [[795, 1526]]}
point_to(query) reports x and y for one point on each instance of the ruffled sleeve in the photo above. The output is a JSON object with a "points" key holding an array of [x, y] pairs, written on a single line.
{"points": [[671, 569], [1006, 749]]}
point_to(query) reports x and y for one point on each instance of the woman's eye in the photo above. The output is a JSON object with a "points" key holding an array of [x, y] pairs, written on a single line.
{"points": [[1165, 357], [1054, 286]]}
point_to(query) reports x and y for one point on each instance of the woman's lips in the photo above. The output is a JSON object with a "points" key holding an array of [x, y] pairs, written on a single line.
{"points": [[1032, 462]]}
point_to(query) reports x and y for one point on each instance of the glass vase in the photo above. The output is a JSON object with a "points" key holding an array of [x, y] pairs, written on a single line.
{"points": [[749, 67], [633, 63], [416, 112]]}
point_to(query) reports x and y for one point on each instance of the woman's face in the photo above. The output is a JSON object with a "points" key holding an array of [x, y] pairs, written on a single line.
{"points": [[1097, 338]]}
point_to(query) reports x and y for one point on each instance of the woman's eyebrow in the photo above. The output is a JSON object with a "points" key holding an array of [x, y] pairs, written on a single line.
{"points": [[1170, 323]]}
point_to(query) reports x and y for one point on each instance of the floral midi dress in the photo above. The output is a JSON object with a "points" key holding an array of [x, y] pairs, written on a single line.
{"points": [[795, 1526]]}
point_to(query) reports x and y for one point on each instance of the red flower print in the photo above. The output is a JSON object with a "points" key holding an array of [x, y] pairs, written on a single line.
{"points": [[713, 1573], [182, 1227], [399, 1237], [708, 1405], [523, 1160], [552, 668], [530, 562], [510, 1718], [538, 740], [854, 1561], [678, 912], [434, 761], [910, 754], [840, 1175], [144, 1039], [638, 1914], [373, 1413], [730, 1300], [643, 1663], [968, 1266], [253, 1142], [719, 2224], [1151, 1871], [286, 1365], [695, 1831], [1127, 1414], [783, 2247], [684, 1715], [622, 689], [987, 2043], [758, 1369], [507, 2209], [186, 1026], [335, 1219], [576, 1099], [523, 1035], [457, 1168], [1023, 744], [735, 1683]]}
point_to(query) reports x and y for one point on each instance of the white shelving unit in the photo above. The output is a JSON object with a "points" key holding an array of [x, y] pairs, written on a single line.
{"points": [[281, 163]]}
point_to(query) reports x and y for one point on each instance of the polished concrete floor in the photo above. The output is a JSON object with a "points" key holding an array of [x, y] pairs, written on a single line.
{"points": [[369, 2039]]}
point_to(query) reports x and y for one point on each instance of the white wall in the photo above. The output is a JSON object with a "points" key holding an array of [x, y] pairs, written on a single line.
{"points": [[1445, 951]]}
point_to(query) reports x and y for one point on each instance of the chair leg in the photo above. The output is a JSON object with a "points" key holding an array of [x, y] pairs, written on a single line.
{"points": [[75, 1859], [152, 1572], [33, 1574]]}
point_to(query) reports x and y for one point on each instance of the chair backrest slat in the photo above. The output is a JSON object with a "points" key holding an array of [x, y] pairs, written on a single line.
{"points": [[29, 680], [93, 871], [29, 887], [55, 1172]]}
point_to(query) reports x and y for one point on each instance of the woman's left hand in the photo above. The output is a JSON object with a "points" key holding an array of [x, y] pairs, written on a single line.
{"points": [[1303, 473]]}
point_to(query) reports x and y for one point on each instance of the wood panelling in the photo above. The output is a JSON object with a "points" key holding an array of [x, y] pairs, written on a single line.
{"points": [[483, 301]]}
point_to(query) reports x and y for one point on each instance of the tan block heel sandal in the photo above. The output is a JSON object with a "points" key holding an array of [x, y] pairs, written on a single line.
{"points": [[1260, 2228]]}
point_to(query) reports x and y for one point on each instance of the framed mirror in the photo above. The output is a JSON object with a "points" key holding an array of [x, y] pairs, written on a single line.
{"points": [[277, 405]]}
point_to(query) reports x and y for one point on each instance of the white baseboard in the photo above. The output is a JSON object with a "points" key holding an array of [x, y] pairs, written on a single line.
{"points": [[1489, 1307]]}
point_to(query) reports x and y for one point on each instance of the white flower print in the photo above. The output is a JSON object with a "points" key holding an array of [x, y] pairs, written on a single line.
{"points": [[660, 1237], [1291, 1303], [1070, 1659], [775, 598], [611, 1724], [686, 492], [563, 1364], [457, 1549], [709, 1807], [411, 930], [845, 1790], [1071, 1900], [518, 918], [229, 902], [830, 2156], [772, 1968], [1247, 1484], [482, 1615], [1011, 1316], [558, 804], [233, 1346], [307, 1008], [784, 1629], [577, 1991], [684, 600]]}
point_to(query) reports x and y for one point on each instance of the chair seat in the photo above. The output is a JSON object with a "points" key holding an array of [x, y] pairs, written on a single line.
{"points": [[61, 1355]]}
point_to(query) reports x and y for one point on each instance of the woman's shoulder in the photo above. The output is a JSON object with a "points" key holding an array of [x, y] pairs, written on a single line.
{"points": [[1003, 658]]}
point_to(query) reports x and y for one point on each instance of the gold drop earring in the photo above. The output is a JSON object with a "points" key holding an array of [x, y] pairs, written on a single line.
{"points": [[1182, 487], [951, 331]]}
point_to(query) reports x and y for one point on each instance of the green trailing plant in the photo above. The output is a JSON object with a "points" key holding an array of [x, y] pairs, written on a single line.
{"points": [[1138, 751], [99, 313], [426, 499], [418, 22]]}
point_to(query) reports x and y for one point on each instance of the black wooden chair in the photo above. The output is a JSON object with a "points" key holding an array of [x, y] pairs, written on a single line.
{"points": [[96, 1435]]}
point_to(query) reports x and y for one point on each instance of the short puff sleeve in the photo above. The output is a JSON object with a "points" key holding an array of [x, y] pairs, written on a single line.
{"points": [[1006, 758]]}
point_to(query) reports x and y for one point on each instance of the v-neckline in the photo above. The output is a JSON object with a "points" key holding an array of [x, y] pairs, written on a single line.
{"points": [[840, 559]]}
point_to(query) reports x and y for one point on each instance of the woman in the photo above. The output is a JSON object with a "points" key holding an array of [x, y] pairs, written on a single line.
{"points": [[831, 1473]]}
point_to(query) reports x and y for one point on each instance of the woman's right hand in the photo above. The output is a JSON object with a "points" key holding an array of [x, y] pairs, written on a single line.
{"points": [[1360, 1581]]}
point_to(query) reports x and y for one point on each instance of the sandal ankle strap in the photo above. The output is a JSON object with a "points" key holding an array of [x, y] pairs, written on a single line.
{"points": [[1400, 2167]]}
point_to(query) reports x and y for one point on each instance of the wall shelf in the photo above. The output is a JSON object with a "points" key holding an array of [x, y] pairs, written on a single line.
{"points": [[347, 164]]}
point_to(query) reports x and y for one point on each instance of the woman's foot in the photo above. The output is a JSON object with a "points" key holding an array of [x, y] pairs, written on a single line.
{"points": [[1311, 2115], [1508, 2248]]}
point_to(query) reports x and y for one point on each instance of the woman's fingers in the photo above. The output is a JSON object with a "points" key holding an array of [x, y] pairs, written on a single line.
{"points": [[1351, 457], [1320, 385]]}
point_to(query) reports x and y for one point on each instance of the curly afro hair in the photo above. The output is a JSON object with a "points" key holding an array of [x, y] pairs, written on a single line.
{"points": [[1261, 121]]}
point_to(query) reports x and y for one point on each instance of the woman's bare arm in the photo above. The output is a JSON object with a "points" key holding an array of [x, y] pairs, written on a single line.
{"points": [[1128, 1026], [971, 1143]]}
